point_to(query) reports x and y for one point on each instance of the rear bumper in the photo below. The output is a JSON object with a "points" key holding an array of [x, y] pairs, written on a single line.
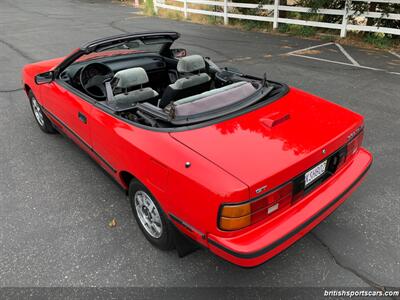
{"points": [[258, 245]]}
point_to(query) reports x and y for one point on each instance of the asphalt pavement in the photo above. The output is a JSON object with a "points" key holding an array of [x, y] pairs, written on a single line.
{"points": [[55, 202]]}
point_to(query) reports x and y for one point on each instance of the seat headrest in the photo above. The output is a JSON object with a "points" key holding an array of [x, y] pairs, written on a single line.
{"points": [[190, 64], [131, 77]]}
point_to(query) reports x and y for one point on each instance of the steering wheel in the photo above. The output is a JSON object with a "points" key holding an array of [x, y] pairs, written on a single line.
{"points": [[92, 79]]}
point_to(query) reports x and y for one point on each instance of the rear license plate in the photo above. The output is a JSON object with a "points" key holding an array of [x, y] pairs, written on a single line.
{"points": [[315, 173]]}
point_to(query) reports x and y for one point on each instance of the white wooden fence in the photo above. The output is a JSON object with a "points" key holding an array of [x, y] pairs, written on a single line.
{"points": [[272, 14]]}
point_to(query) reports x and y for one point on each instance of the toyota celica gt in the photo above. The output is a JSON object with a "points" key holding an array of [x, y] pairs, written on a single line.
{"points": [[239, 164]]}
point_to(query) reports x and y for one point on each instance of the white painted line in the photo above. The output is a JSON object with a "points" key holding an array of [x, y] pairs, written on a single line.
{"points": [[309, 48], [136, 16], [353, 61], [395, 54], [341, 63]]}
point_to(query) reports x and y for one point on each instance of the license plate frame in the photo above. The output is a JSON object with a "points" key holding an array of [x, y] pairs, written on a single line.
{"points": [[315, 173]]}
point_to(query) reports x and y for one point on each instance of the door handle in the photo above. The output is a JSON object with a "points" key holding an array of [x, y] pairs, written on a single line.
{"points": [[82, 117]]}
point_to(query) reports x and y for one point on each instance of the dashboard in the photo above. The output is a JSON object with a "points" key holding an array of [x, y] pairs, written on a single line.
{"points": [[152, 63]]}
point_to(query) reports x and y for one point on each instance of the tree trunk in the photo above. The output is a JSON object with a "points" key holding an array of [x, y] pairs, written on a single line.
{"points": [[372, 8], [283, 14]]}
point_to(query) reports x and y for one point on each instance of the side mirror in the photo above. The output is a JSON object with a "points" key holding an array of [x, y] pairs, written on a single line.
{"points": [[46, 77], [178, 53]]}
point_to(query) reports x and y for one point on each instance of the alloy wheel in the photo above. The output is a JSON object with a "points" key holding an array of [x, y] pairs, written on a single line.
{"points": [[37, 112], [148, 214]]}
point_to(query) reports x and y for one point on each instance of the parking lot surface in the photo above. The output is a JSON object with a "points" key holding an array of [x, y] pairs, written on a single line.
{"points": [[55, 202]]}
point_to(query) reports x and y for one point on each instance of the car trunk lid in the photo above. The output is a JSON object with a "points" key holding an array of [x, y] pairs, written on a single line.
{"points": [[275, 143]]}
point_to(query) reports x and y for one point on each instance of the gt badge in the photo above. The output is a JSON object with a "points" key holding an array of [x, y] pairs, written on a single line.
{"points": [[261, 189]]}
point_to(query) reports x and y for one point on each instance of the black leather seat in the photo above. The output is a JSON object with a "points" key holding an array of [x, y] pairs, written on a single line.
{"points": [[192, 83]]}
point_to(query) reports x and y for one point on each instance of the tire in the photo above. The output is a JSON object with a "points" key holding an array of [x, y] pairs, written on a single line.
{"points": [[143, 201], [41, 119]]}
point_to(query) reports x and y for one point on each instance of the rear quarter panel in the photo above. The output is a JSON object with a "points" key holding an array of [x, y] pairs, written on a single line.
{"points": [[192, 194]]}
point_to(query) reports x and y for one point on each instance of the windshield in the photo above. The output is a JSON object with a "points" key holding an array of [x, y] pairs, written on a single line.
{"points": [[140, 45]]}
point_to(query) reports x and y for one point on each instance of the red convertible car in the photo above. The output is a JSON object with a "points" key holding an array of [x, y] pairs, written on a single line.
{"points": [[242, 165]]}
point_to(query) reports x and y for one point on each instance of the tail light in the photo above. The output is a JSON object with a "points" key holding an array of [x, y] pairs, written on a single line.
{"points": [[355, 144], [237, 216], [348, 151]]}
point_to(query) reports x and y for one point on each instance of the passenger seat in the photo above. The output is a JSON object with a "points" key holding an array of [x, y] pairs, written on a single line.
{"points": [[192, 83]]}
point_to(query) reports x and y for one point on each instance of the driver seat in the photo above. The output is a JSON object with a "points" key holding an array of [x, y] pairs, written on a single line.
{"points": [[126, 79]]}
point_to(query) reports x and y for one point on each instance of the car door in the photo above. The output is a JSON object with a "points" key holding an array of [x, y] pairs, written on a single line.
{"points": [[69, 111]]}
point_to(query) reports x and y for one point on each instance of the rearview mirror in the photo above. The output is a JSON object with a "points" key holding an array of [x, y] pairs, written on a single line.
{"points": [[178, 53], [46, 77]]}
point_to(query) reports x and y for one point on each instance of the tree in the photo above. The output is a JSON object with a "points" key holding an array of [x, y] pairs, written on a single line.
{"points": [[359, 8]]}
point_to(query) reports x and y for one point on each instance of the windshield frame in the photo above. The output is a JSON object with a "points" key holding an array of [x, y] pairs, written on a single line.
{"points": [[104, 42]]}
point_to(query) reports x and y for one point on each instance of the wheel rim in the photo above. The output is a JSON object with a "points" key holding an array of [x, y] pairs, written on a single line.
{"points": [[37, 111], [148, 214]]}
